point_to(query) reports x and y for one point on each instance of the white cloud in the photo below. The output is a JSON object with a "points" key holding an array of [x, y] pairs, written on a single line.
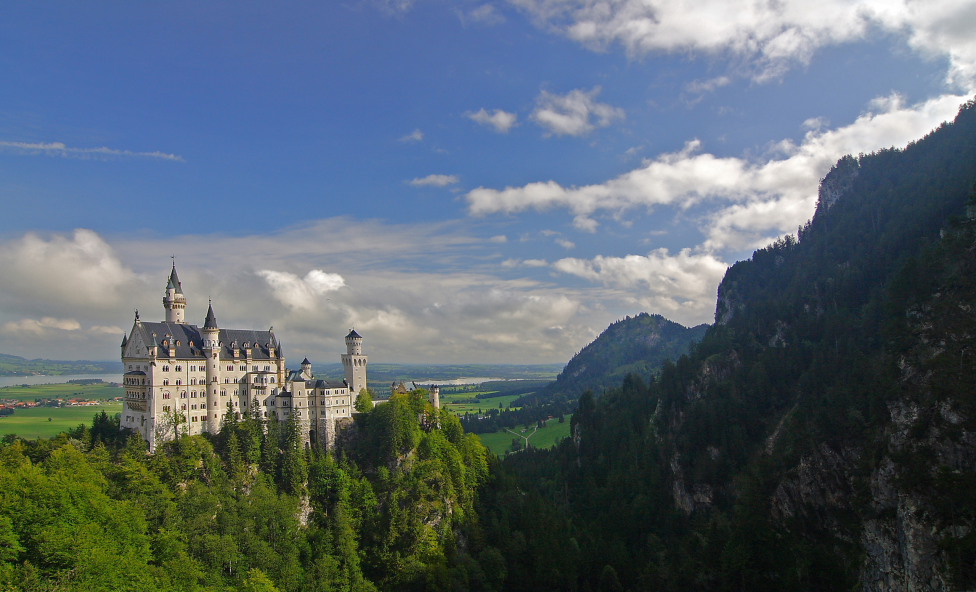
{"points": [[414, 136], [768, 36], [500, 121], [434, 181], [81, 270], [681, 286], [63, 150], [301, 293], [41, 326], [565, 243], [486, 14], [499, 238], [764, 197], [576, 113]]}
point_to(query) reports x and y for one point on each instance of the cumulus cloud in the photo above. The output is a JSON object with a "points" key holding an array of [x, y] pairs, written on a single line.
{"points": [[81, 269], [764, 197], [64, 151], [486, 14], [500, 121], [301, 293], [576, 113], [434, 181], [414, 136], [41, 326], [769, 36], [681, 286], [565, 243]]}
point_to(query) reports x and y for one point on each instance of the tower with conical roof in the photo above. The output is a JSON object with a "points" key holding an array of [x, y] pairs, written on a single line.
{"points": [[174, 301], [354, 363], [211, 351]]}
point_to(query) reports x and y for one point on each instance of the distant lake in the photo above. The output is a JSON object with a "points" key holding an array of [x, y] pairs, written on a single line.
{"points": [[459, 381], [15, 380]]}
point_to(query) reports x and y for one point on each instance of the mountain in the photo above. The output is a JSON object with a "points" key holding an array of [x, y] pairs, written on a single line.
{"points": [[821, 436], [18, 366], [634, 345]]}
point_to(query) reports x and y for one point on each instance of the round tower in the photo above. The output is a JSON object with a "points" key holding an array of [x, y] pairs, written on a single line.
{"points": [[354, 363], [211, 351], [174, 302]]}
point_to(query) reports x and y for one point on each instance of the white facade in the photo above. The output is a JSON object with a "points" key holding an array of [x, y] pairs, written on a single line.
{"points": [[183, 379]]}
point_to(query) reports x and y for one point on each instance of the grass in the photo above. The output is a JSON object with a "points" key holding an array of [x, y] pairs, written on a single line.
{"points": [[460, 405], [33, 422], [89, 392], [545, 437]]}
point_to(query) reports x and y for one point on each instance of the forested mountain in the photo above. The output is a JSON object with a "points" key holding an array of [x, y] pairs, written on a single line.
{"points": [[821, 436], [634, 345], [18, 366]]}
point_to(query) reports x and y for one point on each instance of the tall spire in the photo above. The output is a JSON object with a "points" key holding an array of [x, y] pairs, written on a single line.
{"points": [[174, 302], [211, 321], [174, 280]]}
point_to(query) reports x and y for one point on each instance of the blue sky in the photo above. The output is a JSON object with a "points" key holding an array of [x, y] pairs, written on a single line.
{"points": [[459, 181]]}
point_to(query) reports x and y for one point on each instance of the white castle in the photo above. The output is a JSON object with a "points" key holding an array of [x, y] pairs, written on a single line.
{"points": [[184, 379]]}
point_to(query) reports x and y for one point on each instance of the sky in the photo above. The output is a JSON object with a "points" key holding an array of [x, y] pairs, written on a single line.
{"points": [[459, 181]]}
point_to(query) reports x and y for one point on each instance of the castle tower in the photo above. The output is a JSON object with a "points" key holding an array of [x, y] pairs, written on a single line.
{"points": [[211, 351], [435, 396], [174, 301], [354, 363]]}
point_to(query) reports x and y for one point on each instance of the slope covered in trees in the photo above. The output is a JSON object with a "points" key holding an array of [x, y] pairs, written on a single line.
{"points": [[634, 345], [250, 509], [822, 435]]}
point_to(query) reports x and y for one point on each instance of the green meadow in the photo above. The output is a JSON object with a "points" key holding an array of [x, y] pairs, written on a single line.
{"points": [[545, 437], [90, 392], [45, 422]]}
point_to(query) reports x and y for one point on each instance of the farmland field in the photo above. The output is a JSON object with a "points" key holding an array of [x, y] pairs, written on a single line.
{"points": [[546, 437], [90, 392], [33, 422]]}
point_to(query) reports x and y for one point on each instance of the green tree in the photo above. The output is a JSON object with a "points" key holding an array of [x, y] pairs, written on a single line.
{"points": [[364, 401]]}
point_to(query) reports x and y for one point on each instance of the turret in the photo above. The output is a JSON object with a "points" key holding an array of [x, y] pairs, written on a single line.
{"points": [[306, 369], [211, 351], [354, 363], [174, 302], [354, 343]]}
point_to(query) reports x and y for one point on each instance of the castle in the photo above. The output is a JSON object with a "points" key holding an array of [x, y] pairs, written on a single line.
{"points": [[183, 379]]}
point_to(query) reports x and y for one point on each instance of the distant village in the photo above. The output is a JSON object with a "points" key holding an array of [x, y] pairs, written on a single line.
{"points": [[9, 406]]}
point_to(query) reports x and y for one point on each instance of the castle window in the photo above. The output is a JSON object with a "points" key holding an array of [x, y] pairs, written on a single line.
{"points": [[165, 407], [165, 382], [165, 368], [226, 380], [193, 394], [203, 405], [193, 381], [179, 381], [194, 418], [272, 379], [179, 368], [254, 368], [230, 367], [243, 368], [183, 406], [165, 395], [193, 368], [267, 368], [223, 393]]}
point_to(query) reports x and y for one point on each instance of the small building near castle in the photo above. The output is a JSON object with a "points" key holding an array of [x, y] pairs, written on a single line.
{"points": [[183, 379]]}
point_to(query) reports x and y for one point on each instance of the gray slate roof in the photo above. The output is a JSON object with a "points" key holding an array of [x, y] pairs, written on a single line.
{"points": [[261, 342]]}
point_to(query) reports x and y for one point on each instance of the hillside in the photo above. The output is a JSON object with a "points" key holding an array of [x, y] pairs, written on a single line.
{"points": [[18, 366], [822, 436], [635, 345]]}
